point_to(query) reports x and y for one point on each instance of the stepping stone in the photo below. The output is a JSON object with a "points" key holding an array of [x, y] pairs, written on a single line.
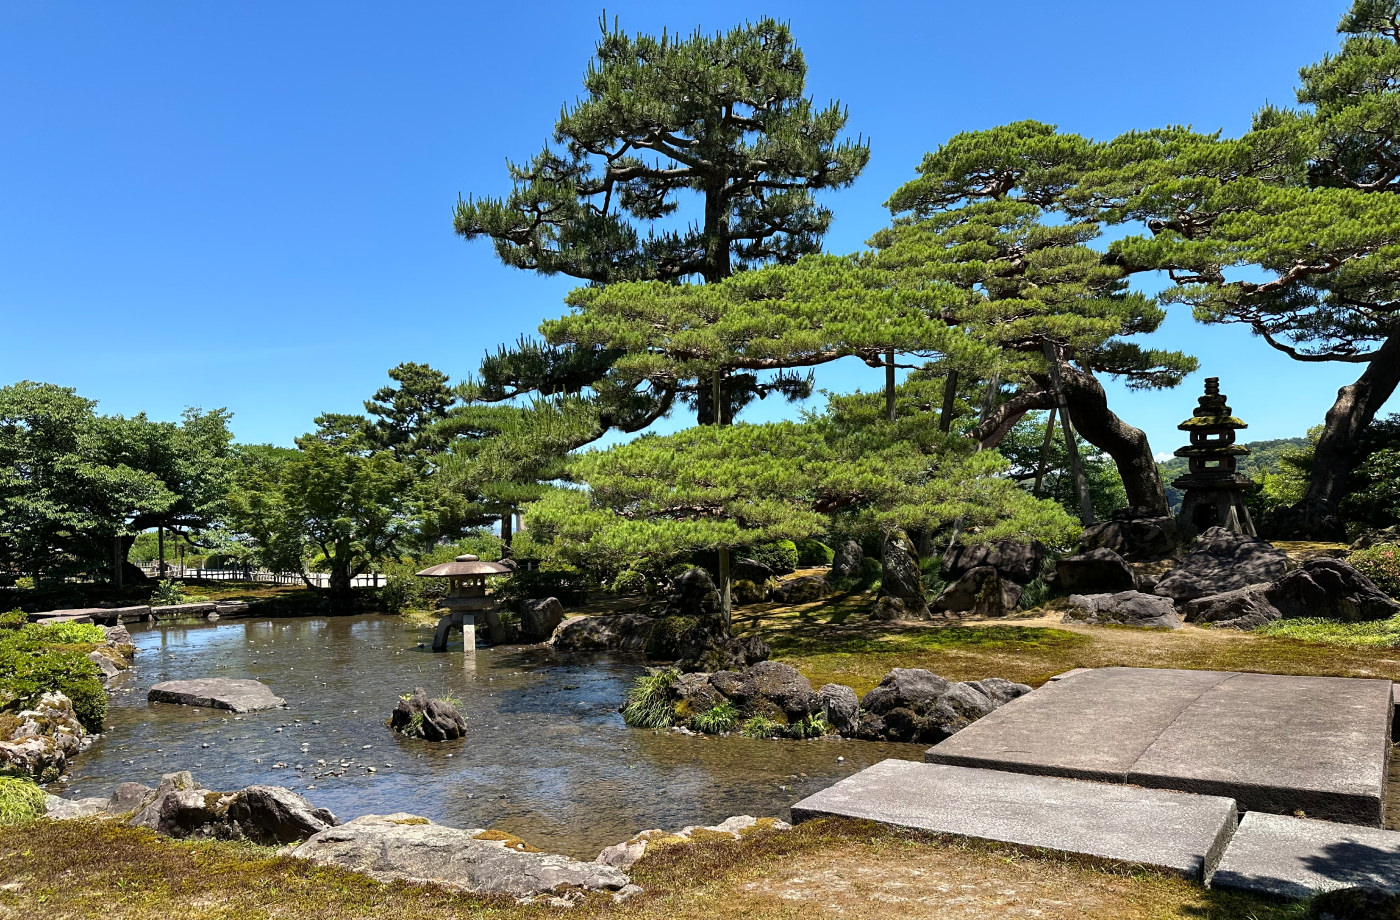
{"points": [[1171, 831], [1273, 743], [1294, 857], [217, 693]]}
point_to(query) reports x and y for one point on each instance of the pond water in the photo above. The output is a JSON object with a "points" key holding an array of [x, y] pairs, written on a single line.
{"points": [[546, 755]]}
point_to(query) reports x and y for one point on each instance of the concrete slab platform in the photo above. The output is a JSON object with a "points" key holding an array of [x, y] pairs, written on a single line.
{"points": [[1273, 743], [1171, 831], [1294, 857]]}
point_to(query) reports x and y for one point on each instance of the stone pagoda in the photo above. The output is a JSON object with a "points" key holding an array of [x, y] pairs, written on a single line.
{"points": [[1214, 489]]}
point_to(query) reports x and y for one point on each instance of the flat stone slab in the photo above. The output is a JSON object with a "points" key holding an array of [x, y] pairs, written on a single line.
{"points": [[217, 693], [1272, 743], [1294, 857], [1172, 831], [108, 616]]}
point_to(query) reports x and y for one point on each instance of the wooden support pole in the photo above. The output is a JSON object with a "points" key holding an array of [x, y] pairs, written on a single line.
{"points": [[1081, 485], [725, 589], [1044, 452]]}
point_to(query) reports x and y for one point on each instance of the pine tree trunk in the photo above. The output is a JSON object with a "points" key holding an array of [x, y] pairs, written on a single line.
{"points": [[950, 398], [1338, 450], [1097, 424], [506, 528], [889, 385]]}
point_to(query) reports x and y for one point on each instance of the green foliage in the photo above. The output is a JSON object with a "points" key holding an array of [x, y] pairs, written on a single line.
{"points": [[44, 658], [648, 702], [21, 800], [630, 581], [763, 727], [167, 592], [404, 591], [781, 555], [1373, 501], [716, 720], [1036, 593], [1384, 633], [571, 588], [1022, 447], [13, 619], [1381, 564], [812, 726], [813, 552], [668, 635]]}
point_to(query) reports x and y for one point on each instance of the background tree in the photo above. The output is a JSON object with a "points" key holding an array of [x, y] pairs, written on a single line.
{"points": [[1306, 200]]}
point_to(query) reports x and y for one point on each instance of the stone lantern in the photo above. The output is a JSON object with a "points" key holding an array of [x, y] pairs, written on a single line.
{"points": [[1214, 489], [466, 596]]}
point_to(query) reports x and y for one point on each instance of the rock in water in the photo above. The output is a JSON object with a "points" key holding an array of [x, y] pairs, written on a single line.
{"points": [[403, 846], [217, 693], [980, 592], [1128, 608], [626, 631], [541, 618], [914, 705], [1097, 571], [1221, 560], [433, 720], [846, 562], [840, 706]]}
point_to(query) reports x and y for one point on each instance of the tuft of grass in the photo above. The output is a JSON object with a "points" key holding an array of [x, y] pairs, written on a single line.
{"points": [[1316, 629], [716, 720], [763, 727], [813, 726], [21, 801], [649, 701]]}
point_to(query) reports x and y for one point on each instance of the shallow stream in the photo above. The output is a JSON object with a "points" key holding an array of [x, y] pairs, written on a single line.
{"points": [[546, 755]]}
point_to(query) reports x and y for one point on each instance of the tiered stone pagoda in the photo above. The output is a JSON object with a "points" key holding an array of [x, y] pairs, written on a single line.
{"points": [[1214, 489]]}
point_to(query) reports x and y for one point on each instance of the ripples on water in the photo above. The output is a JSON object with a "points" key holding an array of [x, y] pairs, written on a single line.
{"points": [[546, 755]]}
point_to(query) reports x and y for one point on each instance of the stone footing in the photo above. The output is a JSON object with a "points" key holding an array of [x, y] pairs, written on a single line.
{"points": [[1294, 857]]}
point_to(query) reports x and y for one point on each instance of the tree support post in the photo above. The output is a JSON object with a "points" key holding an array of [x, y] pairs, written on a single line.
{"points": [[1081, 485], [889, 385], [725, 593], [1044, 454]]}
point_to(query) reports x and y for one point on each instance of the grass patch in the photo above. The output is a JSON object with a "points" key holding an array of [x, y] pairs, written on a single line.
{"points": [[649, 701], [21, 801], [716, 720], [1315, 629]]}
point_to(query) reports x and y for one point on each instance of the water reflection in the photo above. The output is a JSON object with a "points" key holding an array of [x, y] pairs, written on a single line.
{"points": [[546, 754]]}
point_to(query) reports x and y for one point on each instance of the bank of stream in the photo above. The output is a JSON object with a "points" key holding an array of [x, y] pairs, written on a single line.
{"points": [[546, 755]]}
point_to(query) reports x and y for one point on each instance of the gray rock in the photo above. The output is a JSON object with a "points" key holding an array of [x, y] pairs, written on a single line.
{"points": [[109, 668], [42, 739], [738, 687], [1242, 608], [1221, 560], [1330, 588], [727, 654], [802, 590], [744, 592], [403, 846], [273, 815], [180, 807], [999, 689], [429, 719], [840, 706], [1182, 834], [846, 562], [58, 809], [980, 592], [694, 595], [1139, 539], [117, 635], [696, 692], [217, 693], [1098, 571], [782, 687], [1126, 608], [895, 608], [126, 798], [750, 570], [1012, 559], [540, 618], [912, 688], [626, 631], [899, 575], [914, 705], [1295, 857], [960, 706]]}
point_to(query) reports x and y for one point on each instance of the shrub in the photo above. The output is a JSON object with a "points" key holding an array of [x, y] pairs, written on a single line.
{"points": [[649, 701], [40, 635], [630, 581], [21, 801], [762, 727], [46, 658], [405, 591], [571, 588], [780, 555], [13, 619], [814, 552], [167, 593], [1381, 564], [1035, 593], [716, 720], [813, 726], [744, 591]]}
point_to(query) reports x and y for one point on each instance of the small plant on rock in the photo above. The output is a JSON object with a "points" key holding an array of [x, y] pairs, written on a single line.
{"points": [[763, 727], [813, 726], [649, 701], [716, 720]]}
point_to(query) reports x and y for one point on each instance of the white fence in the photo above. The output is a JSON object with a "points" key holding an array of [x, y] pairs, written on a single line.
{"points": [[320, 579]]}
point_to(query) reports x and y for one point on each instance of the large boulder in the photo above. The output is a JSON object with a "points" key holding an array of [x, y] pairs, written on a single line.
{"points": [[1221, 560], [1242, 608], [693, 595], [1133, 534], [623, 631], [1013, 560], [432, 720], [900, 576], [1126, 608], [1096, 572], [846, 562], [540, 618], [750, 570], [1330, 588], [180, 807], [896, 608], [914, 705], [982, 592], [783, 688], [217, 693], [274, 815], [726, 653], [840, 706], [40, 740], [805, 589], [414, 849]]}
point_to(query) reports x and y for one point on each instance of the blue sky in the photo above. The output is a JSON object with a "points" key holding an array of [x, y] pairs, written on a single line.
{"points": [[249, 205]]}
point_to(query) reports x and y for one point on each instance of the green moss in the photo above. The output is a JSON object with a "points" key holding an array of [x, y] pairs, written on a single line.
{"points": [[1211, 421], [21, 801]]}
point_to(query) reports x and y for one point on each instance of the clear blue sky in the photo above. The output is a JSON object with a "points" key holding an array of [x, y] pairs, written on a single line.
{"points": [[248, 205]]}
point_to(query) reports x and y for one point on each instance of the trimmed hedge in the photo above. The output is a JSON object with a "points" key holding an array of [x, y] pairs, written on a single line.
{"points": [[47, 658]]}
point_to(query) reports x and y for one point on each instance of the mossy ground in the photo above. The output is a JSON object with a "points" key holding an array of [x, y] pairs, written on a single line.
{"points": [[72, 869]]}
